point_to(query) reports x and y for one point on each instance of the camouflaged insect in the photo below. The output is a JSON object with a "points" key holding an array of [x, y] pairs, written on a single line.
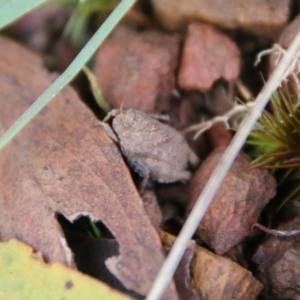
{"points": [[152, 149]]}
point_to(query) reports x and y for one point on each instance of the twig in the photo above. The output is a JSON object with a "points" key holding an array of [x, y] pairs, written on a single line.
{"points": [[236, 109], [261, 54], [204, 126], [166, 272], [243, 91]]}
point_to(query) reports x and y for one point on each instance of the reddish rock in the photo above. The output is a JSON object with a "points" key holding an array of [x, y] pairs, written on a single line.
{"points": [[261, 17], [289, 33], [278, 264], [237, 204], [219, 135], [284, 41], [208, 55], [64, 53], [137, 70], [183, 113], [40, 28]]}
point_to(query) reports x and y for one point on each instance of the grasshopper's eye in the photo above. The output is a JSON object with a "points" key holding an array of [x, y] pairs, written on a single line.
{"points": [[127, 124]]}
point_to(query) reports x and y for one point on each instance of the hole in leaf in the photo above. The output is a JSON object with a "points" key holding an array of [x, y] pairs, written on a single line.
{"points": [[92, 243]]}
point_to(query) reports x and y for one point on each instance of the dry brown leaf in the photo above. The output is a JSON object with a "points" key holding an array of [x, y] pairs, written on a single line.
{"points": [[217, 277], [63, 162]]}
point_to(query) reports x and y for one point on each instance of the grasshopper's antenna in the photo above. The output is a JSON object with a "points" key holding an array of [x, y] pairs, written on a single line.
{"points": [[121, 106]]}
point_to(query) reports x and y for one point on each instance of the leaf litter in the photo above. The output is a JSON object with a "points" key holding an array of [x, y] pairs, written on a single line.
{"points": [[62, 162], [24, 273]]}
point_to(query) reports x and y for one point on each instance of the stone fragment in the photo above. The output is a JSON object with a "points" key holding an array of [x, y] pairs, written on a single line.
{"points": [[137, 70], [237, 205], [278, 265], [208, 55], [259, 17], [39, 28], [219, 135], [289, 33], [284, 41], [184, 112]]}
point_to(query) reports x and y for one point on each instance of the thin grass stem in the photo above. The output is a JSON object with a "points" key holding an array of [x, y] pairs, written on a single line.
{"points": [[10, 11], [73, 69]]}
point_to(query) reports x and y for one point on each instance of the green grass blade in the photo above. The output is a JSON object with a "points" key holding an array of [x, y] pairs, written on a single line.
{"points": [[97, 92], [96, 231], [289, 197], [69, 73], [12, 10]]}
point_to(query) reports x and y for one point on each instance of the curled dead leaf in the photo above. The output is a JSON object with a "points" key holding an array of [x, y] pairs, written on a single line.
{"points": [[62, 162]]}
